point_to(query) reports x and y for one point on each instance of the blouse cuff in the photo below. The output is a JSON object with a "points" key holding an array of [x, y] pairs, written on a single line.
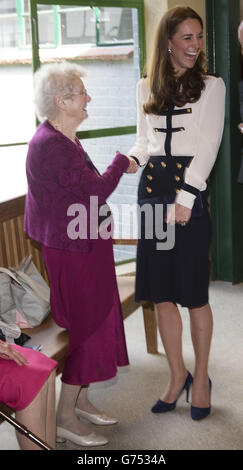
{"points": [[136, 160], [185, 198]]}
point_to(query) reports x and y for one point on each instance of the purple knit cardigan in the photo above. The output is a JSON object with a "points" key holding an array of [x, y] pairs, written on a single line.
{"points": [[59, 174]]}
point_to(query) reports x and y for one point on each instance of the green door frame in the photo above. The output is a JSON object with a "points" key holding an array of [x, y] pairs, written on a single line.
{"points": [[223, 17], [138, 4]]}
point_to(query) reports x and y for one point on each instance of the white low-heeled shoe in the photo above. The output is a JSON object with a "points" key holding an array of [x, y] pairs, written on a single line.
{"points": [[90, 440], [100, 419]]}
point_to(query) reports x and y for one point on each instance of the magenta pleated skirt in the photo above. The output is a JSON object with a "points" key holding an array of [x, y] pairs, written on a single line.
{"points": [[19, 385], [85, 301]]}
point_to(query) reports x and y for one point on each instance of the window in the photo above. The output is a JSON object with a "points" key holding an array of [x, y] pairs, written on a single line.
{"points": [[114, 26], [8, 6], [14, 24], [78, 25], [64, 25], [8, 24]]}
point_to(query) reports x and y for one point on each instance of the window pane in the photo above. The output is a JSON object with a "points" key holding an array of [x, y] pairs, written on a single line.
{"points": [[17, 117], [26, 6], [8, 6], [8, 31], [115, 25], [12, 172], [15, 32], [124, 199], [78, 26], [46, 27]]}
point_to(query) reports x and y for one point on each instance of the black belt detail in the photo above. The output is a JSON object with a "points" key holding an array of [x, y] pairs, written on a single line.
{"points": [[190, 189], [174, 129], [136, 160], [169, 129]]}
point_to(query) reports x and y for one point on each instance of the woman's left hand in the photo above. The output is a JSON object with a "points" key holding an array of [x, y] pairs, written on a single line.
{"points": [[7, 352], [178, 214]]}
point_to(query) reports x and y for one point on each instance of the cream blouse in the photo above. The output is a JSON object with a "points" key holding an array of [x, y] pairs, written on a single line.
{"points": [[198, 134]]}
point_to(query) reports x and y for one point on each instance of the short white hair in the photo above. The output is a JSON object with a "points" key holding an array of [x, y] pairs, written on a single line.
{"points": [[51, 80]]}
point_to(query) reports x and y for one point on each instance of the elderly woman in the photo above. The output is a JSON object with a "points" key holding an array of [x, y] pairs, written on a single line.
{"points": [[63, 182]]}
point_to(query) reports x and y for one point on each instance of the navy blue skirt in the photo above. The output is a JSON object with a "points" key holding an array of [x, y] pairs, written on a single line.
{"points": [[172, 262]]}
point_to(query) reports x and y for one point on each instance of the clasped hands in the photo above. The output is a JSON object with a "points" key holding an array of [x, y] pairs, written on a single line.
{"points": [[133, 166]]}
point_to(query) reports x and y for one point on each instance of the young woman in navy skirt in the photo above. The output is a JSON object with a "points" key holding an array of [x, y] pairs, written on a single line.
{"points": [[180, 125]]}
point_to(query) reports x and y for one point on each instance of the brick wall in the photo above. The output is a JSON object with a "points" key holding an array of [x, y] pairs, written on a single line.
{"points": [[113, 105]]}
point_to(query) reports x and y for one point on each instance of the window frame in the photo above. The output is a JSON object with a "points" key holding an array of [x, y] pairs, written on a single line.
{"points": [[20, 15]]}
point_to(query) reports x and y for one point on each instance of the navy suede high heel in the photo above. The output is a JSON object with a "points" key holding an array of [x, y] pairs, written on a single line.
{"points": [[163, 407], [200, 413]]}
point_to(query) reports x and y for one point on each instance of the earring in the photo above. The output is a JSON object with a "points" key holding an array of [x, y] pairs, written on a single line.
{"points": [[169, 51]]}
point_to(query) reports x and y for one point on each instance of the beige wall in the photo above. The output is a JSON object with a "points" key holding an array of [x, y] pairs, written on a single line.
{"points": [[155, 9], [197, 5]]}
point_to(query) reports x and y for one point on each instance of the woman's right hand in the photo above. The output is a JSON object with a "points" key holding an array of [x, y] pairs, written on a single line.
{"points": [[9, 353], [133, 166]]}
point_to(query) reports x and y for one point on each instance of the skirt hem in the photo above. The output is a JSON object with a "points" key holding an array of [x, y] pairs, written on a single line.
{"points": [[182, 304], [94, 380]]}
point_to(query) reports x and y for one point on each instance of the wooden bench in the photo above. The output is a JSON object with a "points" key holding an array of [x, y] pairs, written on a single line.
{"points": [[15, 245]]}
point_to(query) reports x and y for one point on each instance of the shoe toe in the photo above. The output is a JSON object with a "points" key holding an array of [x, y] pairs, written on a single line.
{"points": [[89, 440], [96, 440], [162, 407], [104, 419], [99, 419], [199, 413]]}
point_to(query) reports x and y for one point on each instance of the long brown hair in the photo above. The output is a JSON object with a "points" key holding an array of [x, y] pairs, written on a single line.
{"points": [[164, 86]]}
